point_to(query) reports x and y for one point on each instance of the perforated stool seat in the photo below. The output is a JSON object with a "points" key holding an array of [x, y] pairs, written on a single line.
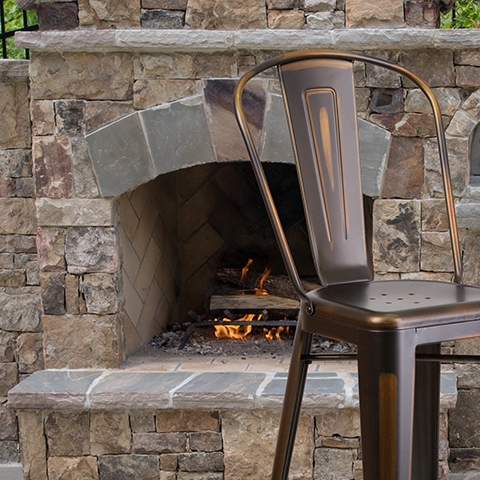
{"points": [[396, 303]]}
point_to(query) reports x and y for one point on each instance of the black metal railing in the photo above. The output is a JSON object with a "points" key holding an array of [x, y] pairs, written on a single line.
{"points": [[6, 34]]}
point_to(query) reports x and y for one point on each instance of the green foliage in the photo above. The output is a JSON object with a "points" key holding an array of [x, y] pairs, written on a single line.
{"points": [[466, 14], [14, 21]]}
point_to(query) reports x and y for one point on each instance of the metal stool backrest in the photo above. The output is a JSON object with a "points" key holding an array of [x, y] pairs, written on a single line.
{"points": [[320, 100], [319, 94]]}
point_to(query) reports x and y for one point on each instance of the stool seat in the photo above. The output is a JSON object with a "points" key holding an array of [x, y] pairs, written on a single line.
{"points": [[396, 303]]}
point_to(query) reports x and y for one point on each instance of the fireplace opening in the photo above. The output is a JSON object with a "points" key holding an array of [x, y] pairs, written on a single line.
{"points": [[181, 229], [186, 236]]}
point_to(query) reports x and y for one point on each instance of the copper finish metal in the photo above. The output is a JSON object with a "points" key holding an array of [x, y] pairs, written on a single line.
{"points": [[390, 322]]}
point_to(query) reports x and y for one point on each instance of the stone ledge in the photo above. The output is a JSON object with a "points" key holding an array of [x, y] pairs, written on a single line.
{"points": [[11, 471], [195, 390], [14, 68], [184, 40], [468, 214]]}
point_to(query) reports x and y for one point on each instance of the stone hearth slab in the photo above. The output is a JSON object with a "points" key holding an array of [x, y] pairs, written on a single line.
{"points": [[129, 389], [111, 389], [57, 388], [217, 389], [13, 471], [328, 389]]}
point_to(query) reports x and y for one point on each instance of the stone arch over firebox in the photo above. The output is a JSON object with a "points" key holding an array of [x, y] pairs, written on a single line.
{"points": [[202, 129], [459, 136]]}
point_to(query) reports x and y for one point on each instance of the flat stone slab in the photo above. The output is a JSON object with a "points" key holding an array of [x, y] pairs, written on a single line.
{"points": [[14, 68], [147, 40], [11, 471], [119, 389], [58, 389], [149, 389]]}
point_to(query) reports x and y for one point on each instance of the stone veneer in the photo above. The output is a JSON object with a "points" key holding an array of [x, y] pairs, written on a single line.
{"points": [[197, 129], [62, 290], [221, 14], [20, 299]]}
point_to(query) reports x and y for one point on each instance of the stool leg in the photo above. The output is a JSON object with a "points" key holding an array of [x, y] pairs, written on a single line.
{"points": [[386, 368], [297, 375], [426, 420]]}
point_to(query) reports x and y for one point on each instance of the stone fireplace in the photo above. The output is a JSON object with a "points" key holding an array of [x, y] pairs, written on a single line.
{"points": [[122, 118], [198, 207], [172, 257], [122, 187]]}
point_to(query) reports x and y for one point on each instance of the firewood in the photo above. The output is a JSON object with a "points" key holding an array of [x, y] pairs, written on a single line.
{"points": [[277, 307], [278, 285]]}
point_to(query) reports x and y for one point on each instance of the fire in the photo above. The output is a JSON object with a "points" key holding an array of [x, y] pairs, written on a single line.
{"points": [[245, 270], [274, 332], [261, 282], [239, 332]]}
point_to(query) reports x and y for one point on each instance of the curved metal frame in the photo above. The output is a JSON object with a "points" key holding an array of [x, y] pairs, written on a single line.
{"points": [[260, 174]]}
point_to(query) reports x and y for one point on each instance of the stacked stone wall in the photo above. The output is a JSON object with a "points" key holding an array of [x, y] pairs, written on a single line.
{"points": [[193, 14], [20, 299], [223, 15], [188, 445], [79, 252], [191, 445], [78, 240], [81, 291]]}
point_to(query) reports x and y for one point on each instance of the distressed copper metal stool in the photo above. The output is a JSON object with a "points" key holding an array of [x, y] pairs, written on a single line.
{"points": [[397, 325]]}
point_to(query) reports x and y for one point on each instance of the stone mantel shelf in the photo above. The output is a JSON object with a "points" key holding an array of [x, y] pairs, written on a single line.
{"points": [[146, 40]]}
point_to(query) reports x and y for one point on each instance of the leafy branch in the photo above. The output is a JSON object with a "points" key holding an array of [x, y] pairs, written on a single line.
{"points": [[14, 21], [465, 14]]}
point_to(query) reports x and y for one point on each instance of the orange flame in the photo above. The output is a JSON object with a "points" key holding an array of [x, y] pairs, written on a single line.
{"points": [[274, 332], [238, 332], [261, 282], [245, 270]]}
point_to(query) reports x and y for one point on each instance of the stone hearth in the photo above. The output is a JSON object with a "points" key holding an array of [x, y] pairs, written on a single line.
{"points": [[205, 416]]}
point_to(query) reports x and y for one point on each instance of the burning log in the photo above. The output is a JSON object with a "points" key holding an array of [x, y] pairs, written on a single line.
{"points": [[276, 285], [240, 328], [267, 301]]}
